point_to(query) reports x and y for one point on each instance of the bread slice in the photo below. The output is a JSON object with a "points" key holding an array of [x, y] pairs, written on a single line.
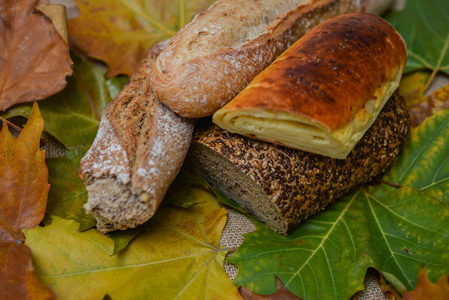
{"points": [[137, 153], [283, 186], [325, 91]]}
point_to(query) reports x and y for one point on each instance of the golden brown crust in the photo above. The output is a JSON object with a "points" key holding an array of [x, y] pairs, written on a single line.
{"points": [[331, 72], [298, 183], [210, 60]]}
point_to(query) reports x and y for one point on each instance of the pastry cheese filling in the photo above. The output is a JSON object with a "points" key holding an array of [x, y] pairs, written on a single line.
{"points": [[296, 131]]}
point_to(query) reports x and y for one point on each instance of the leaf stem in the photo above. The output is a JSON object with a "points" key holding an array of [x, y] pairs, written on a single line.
{"points": [[429, 81], [390, 184], [438, 66]]}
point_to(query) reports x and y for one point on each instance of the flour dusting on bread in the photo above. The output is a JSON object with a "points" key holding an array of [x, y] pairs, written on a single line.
{"points": [[138, 151]]}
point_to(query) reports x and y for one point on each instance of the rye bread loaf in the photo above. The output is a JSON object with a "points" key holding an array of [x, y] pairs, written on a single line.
{"points": [[138, 151], [326, 90], [284, 186], [215, 56]]}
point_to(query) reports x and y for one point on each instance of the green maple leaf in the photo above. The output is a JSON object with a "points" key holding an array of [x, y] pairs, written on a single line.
{"points": [[72, 117], [424, 161], [424, 27], [177, 255], [327, 256], [395, 231]]}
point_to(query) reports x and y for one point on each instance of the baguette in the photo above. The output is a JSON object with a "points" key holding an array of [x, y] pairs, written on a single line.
{"points": [[215, 56], [137, 153], [325, 91], [284, 186]]}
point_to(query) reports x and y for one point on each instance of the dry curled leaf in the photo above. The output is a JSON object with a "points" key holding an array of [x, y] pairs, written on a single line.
{"points": [[427, 290], [436, 101], [422, 106], [23, 194], [34, 59], [387, 288], [58, 16]]}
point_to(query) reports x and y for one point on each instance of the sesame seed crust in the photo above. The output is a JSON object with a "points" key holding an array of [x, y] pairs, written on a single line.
{"points": [[297, 184]]}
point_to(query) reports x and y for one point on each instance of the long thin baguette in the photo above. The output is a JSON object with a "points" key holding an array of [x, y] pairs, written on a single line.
{"points": [[215, 56], [138, 151], [283, 186]]}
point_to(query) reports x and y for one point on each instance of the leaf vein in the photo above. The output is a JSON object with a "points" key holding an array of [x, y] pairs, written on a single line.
{"points": [[415, 158], [405, 219], [324, 239], [188, 235], [386, 242], [125, 266], [148, 18]]}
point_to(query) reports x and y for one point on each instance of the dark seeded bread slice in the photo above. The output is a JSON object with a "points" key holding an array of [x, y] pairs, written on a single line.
{"points": [[283, 186]]}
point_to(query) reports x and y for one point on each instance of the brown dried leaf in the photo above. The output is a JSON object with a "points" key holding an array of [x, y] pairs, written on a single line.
{"points": [[436, 101], [387, 288], [425, 289], [421, 106], [20, 279], [34, 59], [58, 16], [23, 193], [281, 293]]}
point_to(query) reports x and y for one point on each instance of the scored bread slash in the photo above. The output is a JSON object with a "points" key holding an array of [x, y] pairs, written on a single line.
{"points": [[326, 90], [215, 56], [283, 186], [137, 153]]}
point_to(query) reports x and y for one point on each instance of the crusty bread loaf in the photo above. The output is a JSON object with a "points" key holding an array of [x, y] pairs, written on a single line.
{"points": [[283, 186], [326, 90], [138, 151], [215, 56]]}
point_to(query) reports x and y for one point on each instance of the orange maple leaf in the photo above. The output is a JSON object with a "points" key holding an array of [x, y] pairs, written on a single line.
{"points": [[23, 197], [425, 289]]}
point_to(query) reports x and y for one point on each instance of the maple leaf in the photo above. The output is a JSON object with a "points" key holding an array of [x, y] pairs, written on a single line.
{"points": [[120, 33], [34, 58], [424, 163], [23, 197], [72, 117], [425, 289], [328, 255], [177, 255]]}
